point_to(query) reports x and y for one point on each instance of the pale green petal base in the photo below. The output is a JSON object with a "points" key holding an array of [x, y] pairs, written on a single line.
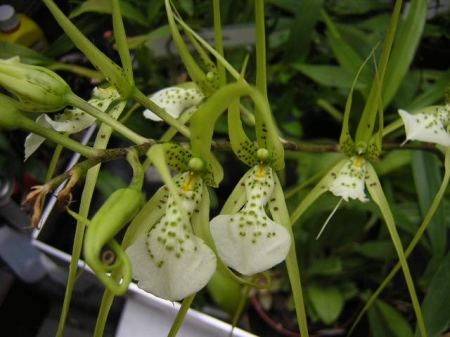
{"points": [[168, 276], [250, 245]]}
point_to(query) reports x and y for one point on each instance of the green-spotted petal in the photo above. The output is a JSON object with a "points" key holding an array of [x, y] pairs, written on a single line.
{"points": [[171, 262], [349, 181], [426, 127], [249, 241], [174, 100]]}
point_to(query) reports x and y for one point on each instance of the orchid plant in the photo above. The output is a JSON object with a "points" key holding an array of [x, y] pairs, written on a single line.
{"points": [[173, 247]]}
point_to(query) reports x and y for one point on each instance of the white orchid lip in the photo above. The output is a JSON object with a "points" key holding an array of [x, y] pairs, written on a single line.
{"points": [[171, 262], [349, 182], [174, 100], [427, 127], [249, 241]]}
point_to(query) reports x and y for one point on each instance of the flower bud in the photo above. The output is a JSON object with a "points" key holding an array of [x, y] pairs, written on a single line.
{"points": [[37, 89], [10, 117]]}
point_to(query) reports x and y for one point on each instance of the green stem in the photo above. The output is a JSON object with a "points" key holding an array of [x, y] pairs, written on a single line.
{"points": [[57, 138], [138, 96], [54, 162], [281, 215], [107, 301], [105, 118], [85, 203], [187, 302], [261, 77], [112, 72], [378, 196], [437, 200], [367, 121], [219, 42], [100, 144], [78, 70], [137, 180], [121, 41]]}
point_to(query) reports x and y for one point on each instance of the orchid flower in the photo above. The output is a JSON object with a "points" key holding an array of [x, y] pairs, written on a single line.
{"points": [[174, 100], [249, 241], [349, 182], [71, 120], [170, 261], [428, 126]]}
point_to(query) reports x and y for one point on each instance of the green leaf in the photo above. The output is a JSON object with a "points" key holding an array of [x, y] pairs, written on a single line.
{"points": [[327, 301], [436, 304], [187, 6], [432, 94], [346, 56], [381, 249], [404, 49], [308, 13], [104, 6], [427, 178], [136, 42], [357, 6], [385, 321], [27, 55], [329, 266], [332, 76]]}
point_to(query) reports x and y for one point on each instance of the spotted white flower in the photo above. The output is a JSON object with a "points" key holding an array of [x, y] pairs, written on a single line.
{"points": [[249, 241], [71, 120], [174, 100], [428, 127], [171, 262], [349, 182]]}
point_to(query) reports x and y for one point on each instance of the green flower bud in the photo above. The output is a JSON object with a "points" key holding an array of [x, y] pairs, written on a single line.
{"points": [[37, 89], [10, 117]]}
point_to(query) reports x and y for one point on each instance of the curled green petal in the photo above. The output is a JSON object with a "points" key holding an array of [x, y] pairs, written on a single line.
{"points": [[114, 214], [242, 146], [203, 121]]}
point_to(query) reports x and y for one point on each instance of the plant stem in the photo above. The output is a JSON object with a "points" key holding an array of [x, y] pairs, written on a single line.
{"points": [[437, 200], [181, 315], [149, 104], [57, 138], [79, 70], [105, 118]]}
